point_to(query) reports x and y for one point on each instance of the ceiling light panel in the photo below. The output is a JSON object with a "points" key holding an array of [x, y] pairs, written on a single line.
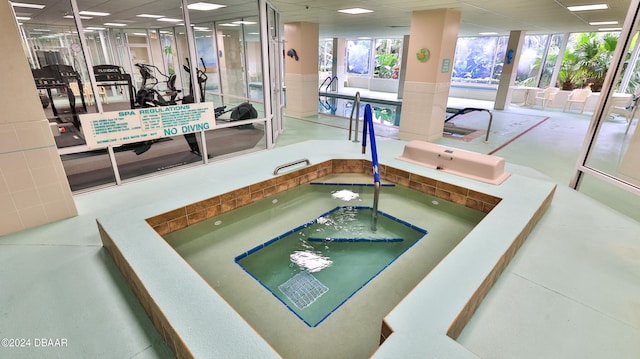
{"points": [[204, 6], [600, 23], [30, 6], [355, 11], [94, 13], [588, 7], [150, 16], [81, 17]]}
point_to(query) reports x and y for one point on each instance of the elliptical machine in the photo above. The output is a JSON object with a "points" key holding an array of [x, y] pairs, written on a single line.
{"points": [[148, 95], [202, 82]]}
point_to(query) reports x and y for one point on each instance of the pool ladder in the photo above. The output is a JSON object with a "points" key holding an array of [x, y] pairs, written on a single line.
{"points": [[368, 123], [325, 104], [356, 108]]}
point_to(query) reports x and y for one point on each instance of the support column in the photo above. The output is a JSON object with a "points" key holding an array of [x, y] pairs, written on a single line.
{"points": [[301, 68], [337, 67], [403, 66], [432, 45], [509, 70], [33, 186]]}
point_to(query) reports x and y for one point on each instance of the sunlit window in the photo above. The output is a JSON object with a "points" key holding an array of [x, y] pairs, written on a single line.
{"points": [[358, 56]]}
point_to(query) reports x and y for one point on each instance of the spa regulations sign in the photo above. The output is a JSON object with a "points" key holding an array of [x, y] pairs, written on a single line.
{"points": [[127, 126]]}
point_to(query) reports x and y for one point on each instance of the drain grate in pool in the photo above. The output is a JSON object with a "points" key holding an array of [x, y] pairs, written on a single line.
{"points": [[303, 289]]}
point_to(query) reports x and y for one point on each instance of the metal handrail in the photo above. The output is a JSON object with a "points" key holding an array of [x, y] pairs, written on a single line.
{"points": [[486, 139], [334, 78], [356, 107], [466, 110], [289, 164], [325, 80]]}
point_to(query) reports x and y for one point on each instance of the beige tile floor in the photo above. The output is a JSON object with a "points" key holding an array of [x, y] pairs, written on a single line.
{"points": [[571, 291]]}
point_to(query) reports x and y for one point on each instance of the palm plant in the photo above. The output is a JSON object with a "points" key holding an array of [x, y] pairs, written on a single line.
{"points": [[594, 55]]}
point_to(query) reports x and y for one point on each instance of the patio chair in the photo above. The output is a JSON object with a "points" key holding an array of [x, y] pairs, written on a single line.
{"points": [[628, 110], [88, 91], [579, 96], [546, 96]]}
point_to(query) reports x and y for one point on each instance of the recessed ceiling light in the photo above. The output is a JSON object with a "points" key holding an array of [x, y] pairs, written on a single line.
{"points": [[95, 28], [588, 7], [94, 13], [23, 18], [612, 29], [204, 6], [81, 17], [168, 19], [114, 24], [600, 23], [230, 25], [245, 22], [30, 6], [150, 16], [355, 11], [487, 33]]}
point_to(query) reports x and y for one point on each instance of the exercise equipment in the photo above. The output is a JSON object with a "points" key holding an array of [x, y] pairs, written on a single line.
{"points": [[148, 94], [202, 81], [113, 75], [60, 78]]}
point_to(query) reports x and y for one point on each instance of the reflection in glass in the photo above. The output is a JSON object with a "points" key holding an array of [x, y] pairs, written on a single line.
{"points": [[140, 57], [614, 151]]}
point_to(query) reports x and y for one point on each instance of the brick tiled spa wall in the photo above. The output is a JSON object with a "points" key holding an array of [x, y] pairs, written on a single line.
{"points": [[199, 211]]}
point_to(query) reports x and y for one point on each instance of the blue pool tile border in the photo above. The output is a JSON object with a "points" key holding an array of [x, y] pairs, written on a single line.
{"points": [[273, 240], [382, 240], [350, 184]]}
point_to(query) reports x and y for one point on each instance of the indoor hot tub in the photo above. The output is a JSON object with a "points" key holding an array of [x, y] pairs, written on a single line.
{"points": [[306, 255], [195, 260]]}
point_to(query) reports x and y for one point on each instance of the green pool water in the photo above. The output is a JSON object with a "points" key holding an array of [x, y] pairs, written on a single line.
{"points": [[212, 246], [316, 267]]}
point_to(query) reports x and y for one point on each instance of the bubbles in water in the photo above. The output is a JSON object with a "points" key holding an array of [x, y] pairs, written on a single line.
{"points": [[217, 223], [435, 202], [345, 195], [311, 261]]}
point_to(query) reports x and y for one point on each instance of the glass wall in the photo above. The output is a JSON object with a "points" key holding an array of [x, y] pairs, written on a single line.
{"points": [[325, 58], [387, 58], [532, 57], [140, 58], [611, 152], [358, 57], [479, 60]]}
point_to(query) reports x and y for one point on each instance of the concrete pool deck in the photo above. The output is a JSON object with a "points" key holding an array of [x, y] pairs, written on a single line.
{"points": [[423, 324]]}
